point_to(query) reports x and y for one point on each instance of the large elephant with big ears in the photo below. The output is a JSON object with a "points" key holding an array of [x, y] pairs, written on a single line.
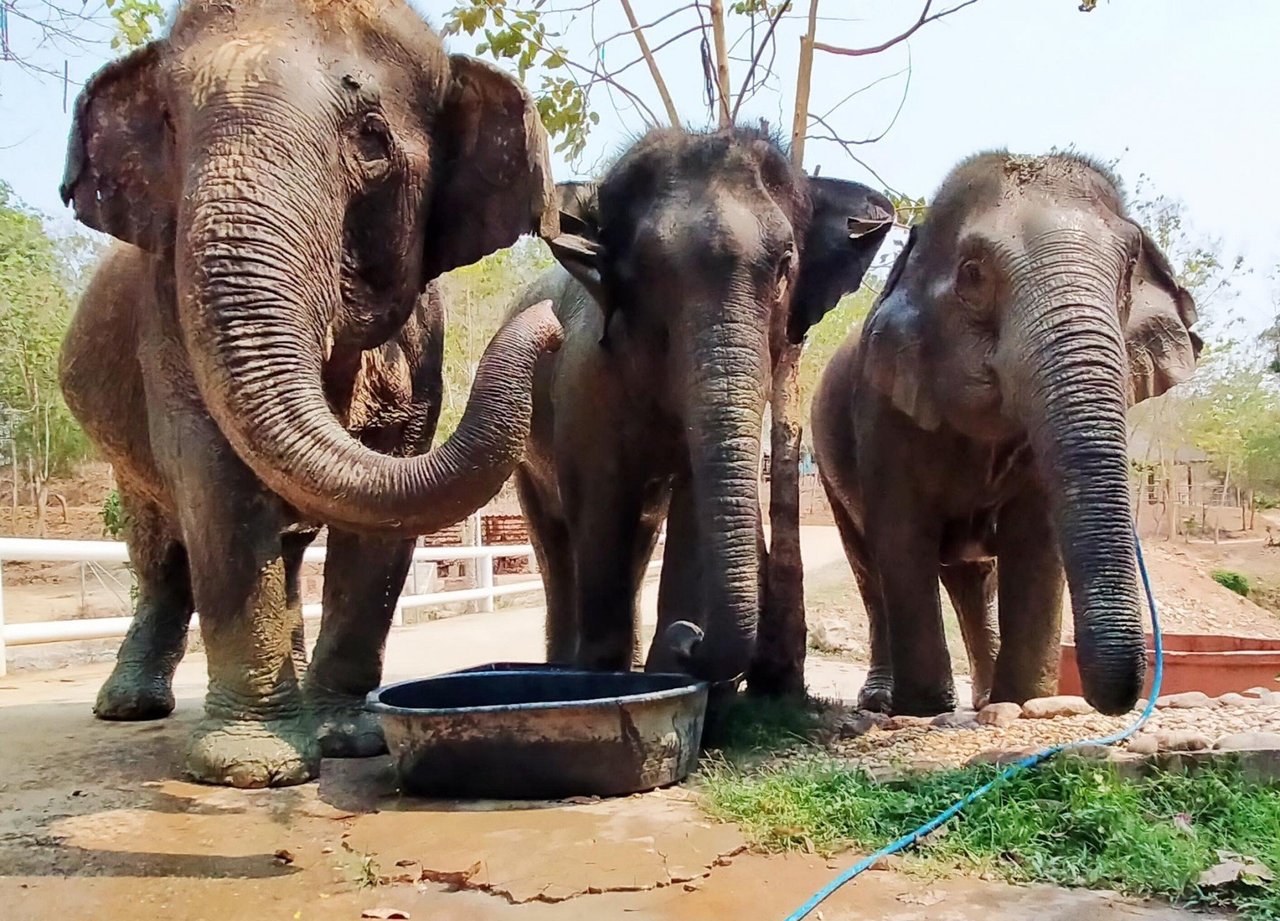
{"points": [[289, 176], [683, 273], [975, 432]]}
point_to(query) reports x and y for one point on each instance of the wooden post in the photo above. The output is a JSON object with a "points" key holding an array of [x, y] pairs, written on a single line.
{"points": [[722, 63]]}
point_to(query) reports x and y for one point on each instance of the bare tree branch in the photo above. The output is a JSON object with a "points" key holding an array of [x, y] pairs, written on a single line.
{"points": [[722, 62], [885, 45], [755, 61], [804, 78], [672, 113]]}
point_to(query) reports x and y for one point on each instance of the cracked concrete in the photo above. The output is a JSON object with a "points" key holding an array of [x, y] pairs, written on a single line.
{"points": [[94, 823]]}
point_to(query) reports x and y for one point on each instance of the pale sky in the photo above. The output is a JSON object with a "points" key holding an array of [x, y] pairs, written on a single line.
{"points": [[1184, 91]]}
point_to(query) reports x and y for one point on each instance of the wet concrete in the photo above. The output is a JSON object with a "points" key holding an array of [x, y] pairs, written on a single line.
{"points": [[94, 823]]}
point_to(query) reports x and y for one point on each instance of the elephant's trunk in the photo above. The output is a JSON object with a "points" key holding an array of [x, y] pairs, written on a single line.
{"points": [[724, 414], [1075, 401], [259, 258]]}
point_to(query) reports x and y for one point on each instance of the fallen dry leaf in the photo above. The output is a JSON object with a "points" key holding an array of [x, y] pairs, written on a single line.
{"points": [[455, 879], [405, 863], [1236, 868], [284, 856], [384, 914]]}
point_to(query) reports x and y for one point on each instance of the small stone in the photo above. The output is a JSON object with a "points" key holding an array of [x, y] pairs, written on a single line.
{"points": [[1187, 700], [999, 715], [960, 719], [1182, 740], [1047, 708], [1001, 758], [1249, 742], [895, 723]]}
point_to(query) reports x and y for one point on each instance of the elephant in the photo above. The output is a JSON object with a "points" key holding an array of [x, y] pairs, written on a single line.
{"points": [[259, 354], [974, 432], [682, 271]]}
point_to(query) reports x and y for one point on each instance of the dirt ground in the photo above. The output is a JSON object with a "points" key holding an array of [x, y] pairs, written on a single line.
{"points": [[96, 822]]}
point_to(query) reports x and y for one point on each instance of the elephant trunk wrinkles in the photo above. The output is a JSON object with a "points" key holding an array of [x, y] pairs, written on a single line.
{"points": [[725, 414], [1077, 401], [259, 256]]}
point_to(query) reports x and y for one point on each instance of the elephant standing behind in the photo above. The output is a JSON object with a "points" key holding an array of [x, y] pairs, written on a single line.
{"points": [[684, 270], [288, 177], [980, 416]]}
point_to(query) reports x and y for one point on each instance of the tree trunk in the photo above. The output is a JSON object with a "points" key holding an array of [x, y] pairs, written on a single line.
{"points": [[781, 639], [804, 76]]}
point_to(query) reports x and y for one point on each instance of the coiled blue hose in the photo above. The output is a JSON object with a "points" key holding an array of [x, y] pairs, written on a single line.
{"points": [[1013, 770]]}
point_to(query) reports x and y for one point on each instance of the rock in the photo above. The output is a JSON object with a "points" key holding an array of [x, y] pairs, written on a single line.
{"points": [[999, 715], [1187, 700], [1047, 708], [1145, 744], [1238, 700], [1001, 758], [1249, 742], [960, 719], [1182, 740], [856, 727]]}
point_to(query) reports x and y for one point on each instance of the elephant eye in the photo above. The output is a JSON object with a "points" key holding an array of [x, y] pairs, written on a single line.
{"points": [[373, 139]]}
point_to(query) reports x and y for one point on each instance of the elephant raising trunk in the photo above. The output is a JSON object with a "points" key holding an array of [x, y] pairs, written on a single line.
{"points": [[1069, 330]]}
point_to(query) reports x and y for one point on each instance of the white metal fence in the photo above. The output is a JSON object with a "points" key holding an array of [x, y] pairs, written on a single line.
{"points": [[16, 549]]}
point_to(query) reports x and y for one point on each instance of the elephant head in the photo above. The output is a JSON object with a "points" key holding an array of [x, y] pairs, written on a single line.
{"points": [[304, 169], [706, 252], [1029, 306]]}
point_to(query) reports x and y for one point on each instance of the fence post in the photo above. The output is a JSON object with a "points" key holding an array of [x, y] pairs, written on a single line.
{"points": [[2, 654], [484, 567]]}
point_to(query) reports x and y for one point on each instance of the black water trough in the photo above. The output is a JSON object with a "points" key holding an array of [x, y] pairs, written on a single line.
{"points": [[523, 731]]}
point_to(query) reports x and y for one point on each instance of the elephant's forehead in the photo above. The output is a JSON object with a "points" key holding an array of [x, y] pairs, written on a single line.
{"points": [[236, 65]]}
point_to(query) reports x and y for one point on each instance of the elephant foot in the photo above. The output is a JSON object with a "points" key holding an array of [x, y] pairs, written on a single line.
{"points": [[253, 754], [876, 694], [344, 728], [135, 692]]}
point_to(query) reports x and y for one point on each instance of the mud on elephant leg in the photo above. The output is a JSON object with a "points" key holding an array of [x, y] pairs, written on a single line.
{"points": [[141, 684], [972, 588], [255, 732], [1031, 583], [363, 577]]}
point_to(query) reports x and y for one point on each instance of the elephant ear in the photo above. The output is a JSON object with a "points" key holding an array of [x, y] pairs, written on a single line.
{"points": [[849, 223], [119, 175], [892, 348], [577, 245], [493, 173], [1162, 347]]}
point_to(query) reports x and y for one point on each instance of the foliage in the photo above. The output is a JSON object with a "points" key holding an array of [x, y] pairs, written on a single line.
{"points": [[1071, 822], [36, 292], [136, 21], [477, 299], [114, 517], [1235, 581], [825, 338]]}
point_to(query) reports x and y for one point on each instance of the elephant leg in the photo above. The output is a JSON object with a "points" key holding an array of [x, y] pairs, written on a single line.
{"points": [[1031, 581], [877, 690], [363, 578], [255, 732], [554, 553], [141, 684], [904, 553], [679, 588], [604, 529], [972, 588]]}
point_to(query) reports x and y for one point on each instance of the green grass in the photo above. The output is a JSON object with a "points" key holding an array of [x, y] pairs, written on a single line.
{"points": [[1072, 823], [753, 726], [1236, 581]]}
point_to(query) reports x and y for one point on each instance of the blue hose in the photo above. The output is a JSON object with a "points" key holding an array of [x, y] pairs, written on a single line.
{"points": [[1013, 770]]}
